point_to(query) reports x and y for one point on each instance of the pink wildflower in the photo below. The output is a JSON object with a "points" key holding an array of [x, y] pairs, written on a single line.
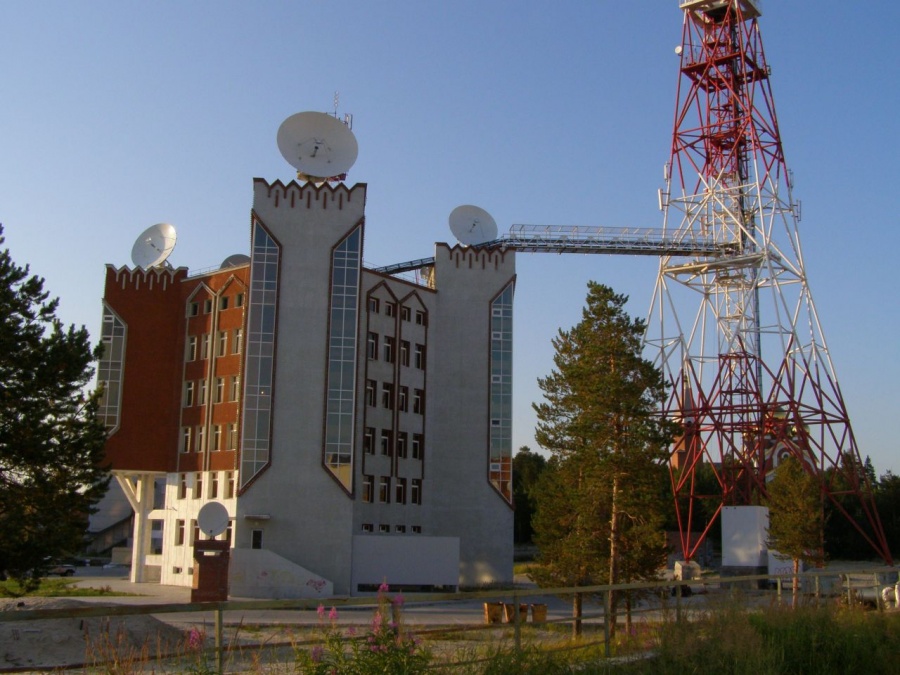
{"points": [[316, 654], [332, 615], [351, 631], [195, 639], [384, 588], [398, 600], [377, 620], [321, 611]]}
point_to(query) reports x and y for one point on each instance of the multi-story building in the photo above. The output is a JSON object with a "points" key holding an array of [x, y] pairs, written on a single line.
{"points": [[356, 425]]}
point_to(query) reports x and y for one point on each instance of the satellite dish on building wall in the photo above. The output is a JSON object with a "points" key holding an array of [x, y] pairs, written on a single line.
{"points": [[318, 145], [153, 246], [235, 260], [213, 519], [472, 225]]}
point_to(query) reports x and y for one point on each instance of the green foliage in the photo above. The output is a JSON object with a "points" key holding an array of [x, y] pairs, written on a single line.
{"points": [[527, 468], [385, 648], [599, 517], [795, 513], [51, 440]]}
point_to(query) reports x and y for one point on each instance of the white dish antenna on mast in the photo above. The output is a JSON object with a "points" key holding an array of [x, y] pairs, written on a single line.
{"points": [[154, 246], [213, 519], [472, 225], [318, 145]]}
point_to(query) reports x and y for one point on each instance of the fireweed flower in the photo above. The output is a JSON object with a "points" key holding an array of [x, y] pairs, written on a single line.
{"points": [[398, 600], [316, 653], [321, 611], [332, 615], [195, 639], [384, 588]]}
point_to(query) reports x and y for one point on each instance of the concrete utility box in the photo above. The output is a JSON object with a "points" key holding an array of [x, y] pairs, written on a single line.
{"points": [[685, 571], [210, 581]]}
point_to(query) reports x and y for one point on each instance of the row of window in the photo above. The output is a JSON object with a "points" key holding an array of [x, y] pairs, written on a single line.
{"points": [[195, 534], [390, 309], [389, 350], [193, 483], [385, 443], [414, 495], [195, 392], [198, 346], [384, 528], [402, 399], [222, 437], [224, 303]]}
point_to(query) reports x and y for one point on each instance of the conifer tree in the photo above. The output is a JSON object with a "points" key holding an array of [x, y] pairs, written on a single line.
{"points": [[51, 439], [599, 518]]}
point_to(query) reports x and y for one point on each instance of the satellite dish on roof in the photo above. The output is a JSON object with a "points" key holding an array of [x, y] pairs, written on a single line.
{"points": [[472, 225], [318, 145], [213, 519], [235, 260], [153, 246]]}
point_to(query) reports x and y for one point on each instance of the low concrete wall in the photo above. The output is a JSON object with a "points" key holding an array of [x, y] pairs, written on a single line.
{"points": [[263, 574]]}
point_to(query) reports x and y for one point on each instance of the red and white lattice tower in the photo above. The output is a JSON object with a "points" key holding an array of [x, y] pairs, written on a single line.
{"points": [[736, 331]]}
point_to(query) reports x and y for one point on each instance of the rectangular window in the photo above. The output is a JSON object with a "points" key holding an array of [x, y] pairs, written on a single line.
{"points": [[370, 392], [388, 349], [384, 529], [229, 484], [189, 393], [372, 346], [228, 532], [387, 438], [194, 309], [418, 449], [419, 402], [368, 492], [239, 300], [403, 399], [202, 396], [400, 529], [216, 441], [207, 306], [402, 440], [237, 341], [415, 496], [232, 436], [374, 304], [186, 435], [404, 352], [368, 527], [198, 485], [201, 439], [389, 308], [421, 319], [179, 532], [400, 496], [195, 532], [220, 389], [223, 343], [405, 313], [256, 539], [190, 353], [419, 360], [182, 486], [214, 485], [384, 490], [223, 302], [387, 395], [369, 441], [235, 387], [417, 529], [204, 346]]}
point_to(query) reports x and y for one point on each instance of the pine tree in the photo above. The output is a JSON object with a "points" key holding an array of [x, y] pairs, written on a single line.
{"points": [[599, 518], [795, 517], [51, 440]]}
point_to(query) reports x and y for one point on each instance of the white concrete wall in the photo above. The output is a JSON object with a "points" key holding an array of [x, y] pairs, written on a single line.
{"points": [[263, 574]]}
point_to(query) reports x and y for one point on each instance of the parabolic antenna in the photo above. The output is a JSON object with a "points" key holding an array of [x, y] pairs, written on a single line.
{"points": [[153, 246], [212, 519], [319, 146], [235, 260], [472, 225]]}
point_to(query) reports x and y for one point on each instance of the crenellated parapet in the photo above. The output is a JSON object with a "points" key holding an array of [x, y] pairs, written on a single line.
{"points": [[140, 279], [296, 195], [468, 257]]}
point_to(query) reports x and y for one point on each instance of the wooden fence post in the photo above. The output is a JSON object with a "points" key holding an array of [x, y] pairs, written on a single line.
{"points": [[219, 646]]}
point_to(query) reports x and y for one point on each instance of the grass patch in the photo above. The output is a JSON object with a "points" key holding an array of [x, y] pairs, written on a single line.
{"points": [[56, 588]]}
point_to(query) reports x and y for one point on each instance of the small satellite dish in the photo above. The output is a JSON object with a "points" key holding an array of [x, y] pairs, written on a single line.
{"points": [[472, 225], [153, 246], [319, 146], [212, 519], [235, 260]]}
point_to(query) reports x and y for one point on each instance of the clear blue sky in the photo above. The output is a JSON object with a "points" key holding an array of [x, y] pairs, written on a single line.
{"points": [[119, 115]]}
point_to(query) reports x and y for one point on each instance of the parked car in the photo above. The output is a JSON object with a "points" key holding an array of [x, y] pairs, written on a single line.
{"points": [[62, 570]]}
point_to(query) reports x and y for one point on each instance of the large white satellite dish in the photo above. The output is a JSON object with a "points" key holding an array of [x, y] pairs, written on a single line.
{"points": [[153, 246], [212, 519], [318, 145], [472, 225], [235, 260]]}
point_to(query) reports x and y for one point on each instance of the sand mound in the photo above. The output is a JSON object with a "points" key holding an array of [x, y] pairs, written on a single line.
{"points": [[52, 643]]}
